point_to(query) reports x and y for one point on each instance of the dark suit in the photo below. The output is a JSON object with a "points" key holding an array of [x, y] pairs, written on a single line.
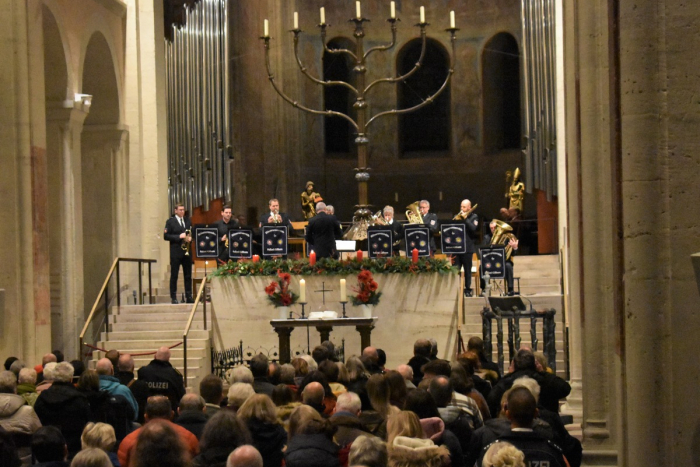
{"points": [[223, 229], [285, 221], [397, 233], [430, 220], [465, 259], [173, 229], [321, 233]]}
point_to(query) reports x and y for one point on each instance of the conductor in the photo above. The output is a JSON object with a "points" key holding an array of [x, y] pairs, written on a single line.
{"points": [[322, 231]]}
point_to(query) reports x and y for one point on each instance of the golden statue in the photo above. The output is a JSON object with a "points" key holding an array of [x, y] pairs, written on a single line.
{"points": [[516, 191], [309, 198]]}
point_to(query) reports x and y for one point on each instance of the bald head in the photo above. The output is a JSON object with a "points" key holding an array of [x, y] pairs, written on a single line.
{"points": [[48, 358], [163, 354], [104, 367], [126, 362], [406, 371], [320, 207], [371, 353], [313, 393], [245, 456]]}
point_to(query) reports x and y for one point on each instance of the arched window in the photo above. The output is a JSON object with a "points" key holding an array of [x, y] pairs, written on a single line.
{"points": [[338, 133], [425, 132], [500, 62]]}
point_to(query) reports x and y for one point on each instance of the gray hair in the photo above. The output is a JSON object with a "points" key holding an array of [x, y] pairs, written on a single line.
{"points": [[369, 451], [27, 375], [313, 366], [241, 374], [192, 402], [320, 206], [349, 402], [50, 371], [388, 209], [424, 201], [239, 393], [530, 384], [8, 382], [63, 373], [330, 209], [287, 373], [16, 366]]}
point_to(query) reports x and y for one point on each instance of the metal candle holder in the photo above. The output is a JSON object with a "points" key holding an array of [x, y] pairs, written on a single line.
{"points": [[303, 305], [344, 303], [363, 215]]}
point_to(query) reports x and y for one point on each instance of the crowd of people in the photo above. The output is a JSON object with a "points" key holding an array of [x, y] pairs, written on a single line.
{"points": [[313, 411]]}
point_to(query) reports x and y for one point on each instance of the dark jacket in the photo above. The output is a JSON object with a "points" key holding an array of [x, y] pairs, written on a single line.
{"points": [[458, 422], [214, 457], [321, 233], [138, 388], [537, 449], [193, 421], [64, 407], [348, 428], [434, 429], [172, 232], [416, 362], [552, 388], [262, 385], [494, 429], [162, 378], [312, 451], [269, 439]]}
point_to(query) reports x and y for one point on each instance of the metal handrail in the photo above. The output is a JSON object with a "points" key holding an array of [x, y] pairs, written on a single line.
{"points": [[197, 299], [104, 292]]}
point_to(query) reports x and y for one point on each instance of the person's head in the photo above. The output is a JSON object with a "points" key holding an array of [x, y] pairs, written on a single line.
{"points": [[388, 212], [238, 393], [113, 356], [258, 407], [50, 371], [320, 206], [211, 389], [406, 371], [381, 358], [163, 354], [287, 373], [540, 357], [461, 383], [503, 454], [179, 210], [8, 383], [282, 395], [274, 205], [191, 403], [27, 376], [319, 354], [9, 361], [313, 366], [441, 390], [368, 451], [98, 435], [330, 370], [104, 367], [245, 456], [91, 457], [301, 366], [397, 387], [313, 394], [303, 421], [258, 366], [521, 408], [524, 360], [371, 354], [158, 407], [404, 423], [379, 394], [47, 358], [49, 445], [226, 213], [435, 368], [492, 226], [16, 367], [158, 444], [422, 403], [348, 402], [63, 373], [224, 430], [465, 206], [330, 209], [531, 384], [470, 362], [424, 207], [126, 362], [421, 348], [274, 372], [356, 369], [342, 373], [476, 344], [89, 381], [241, 374]]}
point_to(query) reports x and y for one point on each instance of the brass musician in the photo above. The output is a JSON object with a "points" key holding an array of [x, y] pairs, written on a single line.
{"points": [[396, 228], [502, 234], [178, 231], [223, 226], [467, 216]]}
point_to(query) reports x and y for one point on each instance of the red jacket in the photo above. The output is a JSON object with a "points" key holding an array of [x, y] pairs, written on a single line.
{"points": [[126, 448]]}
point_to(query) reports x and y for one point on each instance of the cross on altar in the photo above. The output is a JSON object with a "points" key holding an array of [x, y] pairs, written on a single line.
{"points": [[323, 292]]}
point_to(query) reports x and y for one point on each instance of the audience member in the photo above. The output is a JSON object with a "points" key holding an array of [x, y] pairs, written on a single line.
{"points": [[101, 436], [301, 369], [191, 414], [421, 356], [45, 360], [113, 356], [47, 377], [381, 360], [91, 457], [319, 354], [407, 445], [211, 389], [407, 373], [313, 366], [440, 367], [245, 456], [9, 361], [397, 388], [375, 419], [238, 393], [9, 456], [15, 368], [26, 386], [125, 375], [472, 366], [241, 374], [287, 374], [160, 413], [456, 420], [311, 444], [159, 444], [370, 359], [16, 417], [346, 419], [260, 416], [223, 433], [433, 348], [502, 454], [283, 398], [78, 369], [476, 344], [63, 406], [328, 396], [274, 371], [343, 377], [259, 368], [331, 371], [298, 417], [111, 385], [313, 395], [368, 451], [162, 378], [464, 384], [357, 380], [49, 447], [59, 356]]}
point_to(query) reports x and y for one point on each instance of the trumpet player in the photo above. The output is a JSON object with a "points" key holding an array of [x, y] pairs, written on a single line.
{"points": [[430, 220], [275, 216], [396, 228], [471, 222], [177, 232], [223, 225]]}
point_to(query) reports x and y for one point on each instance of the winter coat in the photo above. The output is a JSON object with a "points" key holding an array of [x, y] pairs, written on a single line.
{"points": [[416, 452], [193, 421], [269, 439], [214, 457], [458, 423], [163, 379], [19, 419], [64, 407], [128, 445], [28, 392], [348, 426], [316, 450], [112, 386], [138, 388], [434, 429], [552, 389], [284, 412], [494, 429]]}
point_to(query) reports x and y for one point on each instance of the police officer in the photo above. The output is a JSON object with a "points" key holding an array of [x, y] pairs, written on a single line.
{"points": [[176, 233], [162, 378]]}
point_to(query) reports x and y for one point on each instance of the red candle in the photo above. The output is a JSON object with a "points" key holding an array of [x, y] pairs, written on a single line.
{"points": [[414, 256], [312, 258], [256, 258], [359, 255]]}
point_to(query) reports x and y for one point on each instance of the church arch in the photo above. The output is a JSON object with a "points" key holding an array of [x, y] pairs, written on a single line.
{"points": [[338, 134]]}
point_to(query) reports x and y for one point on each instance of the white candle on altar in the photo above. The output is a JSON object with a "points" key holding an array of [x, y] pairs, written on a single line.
{"points": [[452, 19], [393, 10], [302, 291], [323, 15], [357, 10], [343, 291], [296, 20], [422, 14], [266, 29]]}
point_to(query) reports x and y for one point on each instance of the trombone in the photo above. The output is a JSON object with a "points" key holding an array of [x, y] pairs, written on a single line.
{"points": [[461, 216]]}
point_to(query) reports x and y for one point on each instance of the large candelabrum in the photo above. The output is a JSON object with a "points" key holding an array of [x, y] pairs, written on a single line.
{"points": [[363, 215]]}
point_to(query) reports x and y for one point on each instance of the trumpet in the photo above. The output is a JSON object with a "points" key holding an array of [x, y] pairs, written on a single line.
{"points": [[186, 243], [276, 217], [460, 216]]}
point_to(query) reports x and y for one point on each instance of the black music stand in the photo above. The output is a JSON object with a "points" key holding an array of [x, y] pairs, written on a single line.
{"points": [[506, 304]]}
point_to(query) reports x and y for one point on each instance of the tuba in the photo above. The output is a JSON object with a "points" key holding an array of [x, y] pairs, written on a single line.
{"points": [[460, 216], [378, 218], [502, 235], [413, 213]]}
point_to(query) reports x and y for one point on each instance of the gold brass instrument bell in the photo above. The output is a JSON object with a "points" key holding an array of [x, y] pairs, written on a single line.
{"points": [[186, 243], [413, 213], [502, 235]]}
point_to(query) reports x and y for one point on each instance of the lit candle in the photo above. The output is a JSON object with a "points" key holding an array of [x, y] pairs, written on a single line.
{"points": [[296, 20], [312, 258], [343, 291], [302, 291], [414, 256], [422, 14], [452, 19], [266, 29], [357, 10], [256, 258], [323, 15], [359, 255], [393, 10]]}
